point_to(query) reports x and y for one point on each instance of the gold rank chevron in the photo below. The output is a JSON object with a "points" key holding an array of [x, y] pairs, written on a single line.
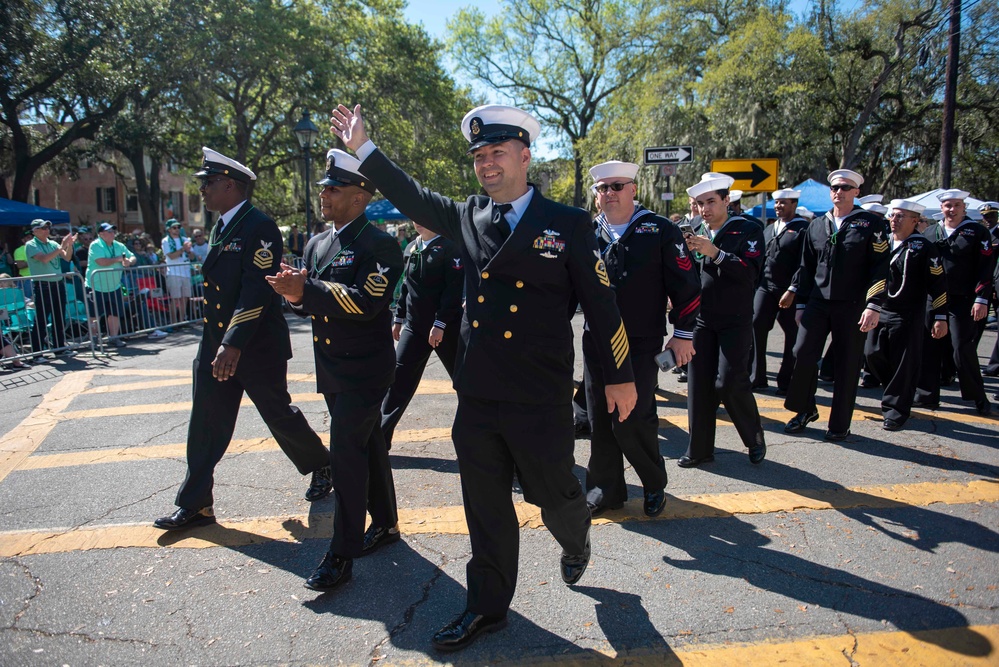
{"points": [[936, 270], [939, 301], [881, 247], [619, 344], [876, 288], [376, 284], [342, 297], [602, 275], [245, 316]]}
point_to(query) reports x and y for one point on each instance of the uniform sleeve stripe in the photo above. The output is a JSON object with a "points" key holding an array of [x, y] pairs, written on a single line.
{"points": [[691, 307], [345, 298], [620, 346], [245, 316], [939, 301], [876, 289], [337, 290]]}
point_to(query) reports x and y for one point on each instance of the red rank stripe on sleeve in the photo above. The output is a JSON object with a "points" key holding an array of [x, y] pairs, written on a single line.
{"points": [[691, 307], [684, 264]]}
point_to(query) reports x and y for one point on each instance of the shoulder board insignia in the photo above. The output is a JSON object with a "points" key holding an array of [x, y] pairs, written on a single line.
{"points": [[263, 258]]}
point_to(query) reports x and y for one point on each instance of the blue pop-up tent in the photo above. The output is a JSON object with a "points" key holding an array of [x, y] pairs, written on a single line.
{"points": [[383, 210], [15, 213], [814, 197]]}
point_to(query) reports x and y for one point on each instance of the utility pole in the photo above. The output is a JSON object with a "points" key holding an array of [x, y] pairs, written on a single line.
{"points": [[950, 93]]}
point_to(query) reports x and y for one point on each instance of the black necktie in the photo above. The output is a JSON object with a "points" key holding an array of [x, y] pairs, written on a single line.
{"points": [[502, 225]]}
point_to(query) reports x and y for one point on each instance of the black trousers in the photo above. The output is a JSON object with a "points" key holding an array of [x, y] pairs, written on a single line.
{"points": [[362, 475], [718, 375], [411, 356], [580, 413], [993, 366], [612, 441], [963, 333], [213, 419], [820, 319], [50, 301], [894, 353], [766, 311], [491, 439]]}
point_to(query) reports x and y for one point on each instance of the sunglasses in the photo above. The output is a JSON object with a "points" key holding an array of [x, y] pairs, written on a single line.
{"points": [[837, 188], [616, 187]]}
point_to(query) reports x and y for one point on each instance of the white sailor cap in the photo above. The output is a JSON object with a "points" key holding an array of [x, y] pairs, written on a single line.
{"points": [[614, 169], [953, 193], [496, 123], [216, 163], [875, 207], [989, 207], [710, 182], [804, 212], [906, 205], [343, 169], [734, 196], [870, 199], [846, 175], [937, 216], [786, 193]]}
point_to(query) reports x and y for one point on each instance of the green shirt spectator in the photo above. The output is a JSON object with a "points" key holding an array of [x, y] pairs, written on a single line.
{"points": [[110, 256], [44, 256], [21, 256]]}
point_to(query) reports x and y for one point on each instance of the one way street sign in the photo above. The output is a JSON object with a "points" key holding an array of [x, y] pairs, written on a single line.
{"points": [[669, 155], [750, 175]]}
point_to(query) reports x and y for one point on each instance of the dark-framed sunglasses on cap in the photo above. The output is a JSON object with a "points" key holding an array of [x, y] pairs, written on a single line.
{"points": [[616, 187], [842, 186]]}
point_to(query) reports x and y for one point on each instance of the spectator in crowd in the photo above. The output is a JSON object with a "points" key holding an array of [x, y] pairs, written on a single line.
{"points": [[178, 255], [81, 249], [7, 264], [112, 256], [296, 241], [7, 349], [21, 262], [199, 245], [44, 261]]}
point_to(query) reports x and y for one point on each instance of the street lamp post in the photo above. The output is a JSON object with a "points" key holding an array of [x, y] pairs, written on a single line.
{"points": [[306, 132]]}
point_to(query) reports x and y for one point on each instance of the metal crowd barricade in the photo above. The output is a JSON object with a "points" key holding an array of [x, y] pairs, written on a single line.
{"points": [[55, 318], [142, 304]]}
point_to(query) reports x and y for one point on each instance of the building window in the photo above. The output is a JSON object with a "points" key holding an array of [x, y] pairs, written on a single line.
{"points": [[194, 204], [83, 163], [107, 200], [37, 198], [132, 203], [175, 205]]}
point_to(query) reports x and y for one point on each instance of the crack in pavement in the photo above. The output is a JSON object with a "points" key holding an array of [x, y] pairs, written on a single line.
{"points": [[27, 602], [50, 634], [120, 507], [853, 649]]}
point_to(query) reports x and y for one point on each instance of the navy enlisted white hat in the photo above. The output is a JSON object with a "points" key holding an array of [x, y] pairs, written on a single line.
{"points": [[906, 205], [875, 207], [953, 193], [216, 163], [845, 175], [804, 212], [786, 193], [613, 169], [496, 123], [870, 199], [710, 182], [343, 169], [734, 196]]}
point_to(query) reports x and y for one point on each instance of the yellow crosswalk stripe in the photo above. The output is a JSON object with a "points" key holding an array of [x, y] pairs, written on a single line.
{"points": [[451, 520]]}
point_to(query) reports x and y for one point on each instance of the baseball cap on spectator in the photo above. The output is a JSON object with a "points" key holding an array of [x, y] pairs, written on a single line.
{"points": [[38, 223], [107, 227], [173, 222]]}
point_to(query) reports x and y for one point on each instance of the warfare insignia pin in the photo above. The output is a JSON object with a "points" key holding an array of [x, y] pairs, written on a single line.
{"points": [[263, 258], [377, 283]]}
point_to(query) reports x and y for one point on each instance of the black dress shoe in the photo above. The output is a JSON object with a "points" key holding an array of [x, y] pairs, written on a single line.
{"points": [[376, 537], [464, 630], [688, 462], [926, 405], [683, 377], [947, 381], [322, 484], [757, 453], [655, 501], [826, 378], [990, 373], [893, 425], [185, 518], [983, 407], [597, 510], [781, 392], [800, 421], [582, 430], [836, 436], [333, 572], [574, 565], [760, 387], [870, 383]]}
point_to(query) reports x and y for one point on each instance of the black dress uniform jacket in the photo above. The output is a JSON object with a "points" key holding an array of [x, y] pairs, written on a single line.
{"points": [[517, 293], [723, 338], [648, 266], [915, 272], [352, 277], [432, 287], [967, 258], [243, 311], [783, 255]]}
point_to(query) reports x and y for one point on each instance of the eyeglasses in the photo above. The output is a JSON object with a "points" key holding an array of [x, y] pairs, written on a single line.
{"points": [[206, 182], [844, 187], [616, 187]]}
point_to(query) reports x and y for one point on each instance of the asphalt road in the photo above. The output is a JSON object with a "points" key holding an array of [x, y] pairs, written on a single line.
{"points": [[878, 550]]}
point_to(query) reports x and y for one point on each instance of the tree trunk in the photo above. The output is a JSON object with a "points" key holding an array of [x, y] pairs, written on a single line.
{"points": [[152, 225], [577, 168]]}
